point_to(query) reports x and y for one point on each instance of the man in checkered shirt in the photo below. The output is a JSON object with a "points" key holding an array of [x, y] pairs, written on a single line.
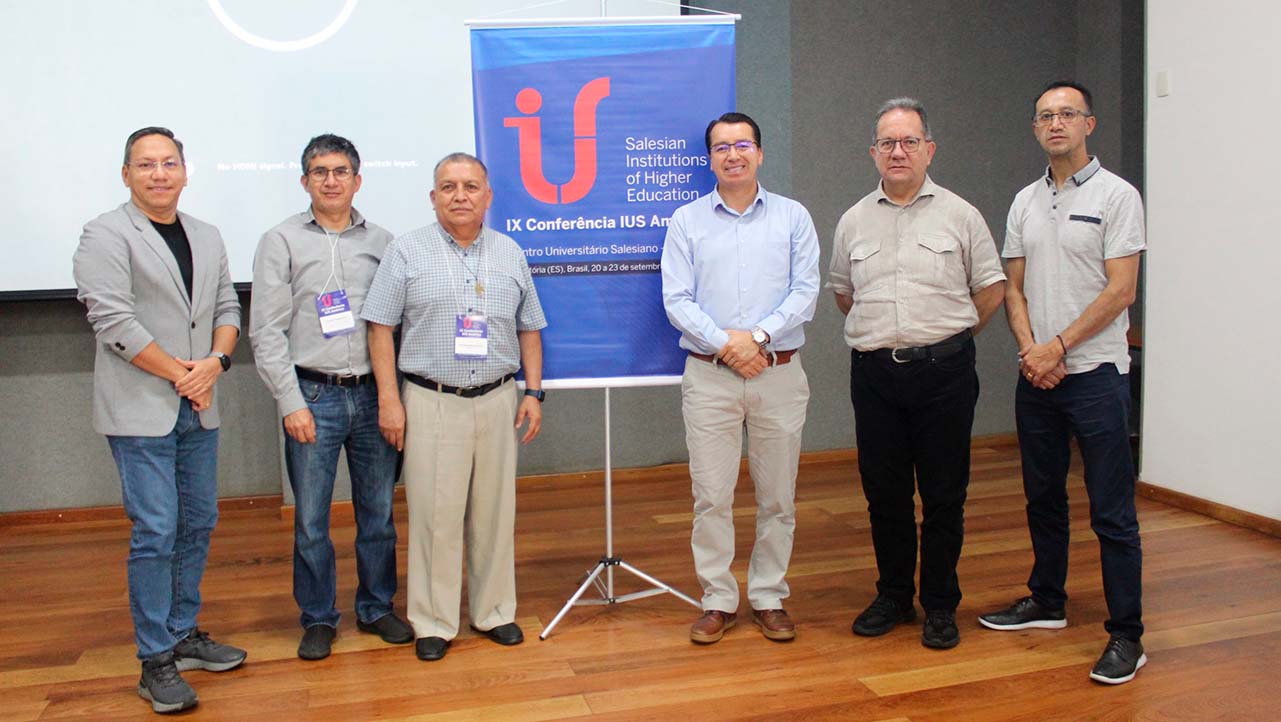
{"points": [[470, 318]]}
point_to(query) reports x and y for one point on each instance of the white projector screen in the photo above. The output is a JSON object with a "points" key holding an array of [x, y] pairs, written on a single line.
{"points": [[244, 84]]}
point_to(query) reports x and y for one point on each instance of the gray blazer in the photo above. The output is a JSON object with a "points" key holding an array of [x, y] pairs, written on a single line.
{"points": [[128, 278]]}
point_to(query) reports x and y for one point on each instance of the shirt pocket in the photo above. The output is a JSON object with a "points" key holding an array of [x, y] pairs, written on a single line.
{"points": [[865, 257], [502, 296], [1082, 232], [936, 261], [438, 293]]}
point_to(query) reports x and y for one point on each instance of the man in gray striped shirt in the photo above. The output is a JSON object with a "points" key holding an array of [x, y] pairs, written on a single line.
{"points": [[311, 274], [470, 319]]}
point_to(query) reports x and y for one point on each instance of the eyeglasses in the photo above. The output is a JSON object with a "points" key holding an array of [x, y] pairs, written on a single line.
{"points": [[1067, 115], [885, 146], [319, 174], [147, 166], [742, 146]]}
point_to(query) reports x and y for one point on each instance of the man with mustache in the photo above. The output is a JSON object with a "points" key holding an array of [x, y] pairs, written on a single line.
{"points": [[469, 317]]}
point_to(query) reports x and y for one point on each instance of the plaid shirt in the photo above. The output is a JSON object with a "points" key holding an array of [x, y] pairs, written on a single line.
{"points": [[426, 280]]}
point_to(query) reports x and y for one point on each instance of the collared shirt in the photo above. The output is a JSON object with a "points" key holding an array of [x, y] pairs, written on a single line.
{"points": [[726, 270], [913, 269], [295, 262], [1067, 235], [427, 279]]}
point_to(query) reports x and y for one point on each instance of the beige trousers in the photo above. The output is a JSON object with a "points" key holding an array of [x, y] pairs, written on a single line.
{"points": [[460, 482], [718, 404]]}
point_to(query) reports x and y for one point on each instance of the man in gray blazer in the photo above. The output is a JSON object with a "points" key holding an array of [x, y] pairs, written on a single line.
{"points": [[165, 318]]}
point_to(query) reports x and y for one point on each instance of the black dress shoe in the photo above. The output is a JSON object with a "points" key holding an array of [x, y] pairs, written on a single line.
{"points": [[505, 634], [316, 641], [430, 649], [391, 628]]}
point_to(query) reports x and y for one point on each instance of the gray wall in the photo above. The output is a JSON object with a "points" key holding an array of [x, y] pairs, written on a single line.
{"points": [[811, 73]]}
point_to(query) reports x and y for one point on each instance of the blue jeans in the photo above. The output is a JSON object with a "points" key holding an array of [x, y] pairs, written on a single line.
{"points": [[170, 488], [346, 417], [1094, 407]]}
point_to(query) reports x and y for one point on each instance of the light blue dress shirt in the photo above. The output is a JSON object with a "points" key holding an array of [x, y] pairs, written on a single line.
{"points": [[725, 270]]}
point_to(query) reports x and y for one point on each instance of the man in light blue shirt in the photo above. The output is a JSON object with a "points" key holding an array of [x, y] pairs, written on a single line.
{"points": [[740, 279]]}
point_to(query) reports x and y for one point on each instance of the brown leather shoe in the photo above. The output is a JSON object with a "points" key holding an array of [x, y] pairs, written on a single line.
{"points": [[712, 626], [774, 624]]}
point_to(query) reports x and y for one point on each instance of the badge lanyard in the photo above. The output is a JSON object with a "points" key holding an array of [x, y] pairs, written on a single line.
{"points": [[332, 307], [471, 329]]}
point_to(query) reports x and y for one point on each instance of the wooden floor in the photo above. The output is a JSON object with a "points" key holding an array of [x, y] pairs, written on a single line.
{"points": [[1212, 607]]}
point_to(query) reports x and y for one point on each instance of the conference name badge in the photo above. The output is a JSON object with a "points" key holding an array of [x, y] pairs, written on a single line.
{"points": [[471, 337], [336, 318]]}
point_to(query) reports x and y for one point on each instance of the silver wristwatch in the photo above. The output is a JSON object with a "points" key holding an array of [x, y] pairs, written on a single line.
{"points": [[760, 337]]}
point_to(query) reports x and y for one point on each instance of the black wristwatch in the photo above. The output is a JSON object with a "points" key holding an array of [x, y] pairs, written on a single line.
{"points": [[223, 359], [536, 393]]}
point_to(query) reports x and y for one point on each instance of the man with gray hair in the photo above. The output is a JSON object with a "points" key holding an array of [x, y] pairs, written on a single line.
{"points": [[916, 273], [311, 275], [470, 319]]}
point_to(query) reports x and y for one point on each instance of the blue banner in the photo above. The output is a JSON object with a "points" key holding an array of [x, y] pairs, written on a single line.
{"points": [[593, 136]]}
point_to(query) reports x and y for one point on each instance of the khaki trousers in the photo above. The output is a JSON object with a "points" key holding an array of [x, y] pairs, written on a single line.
{"points": [[717, 404], [460, 482]]}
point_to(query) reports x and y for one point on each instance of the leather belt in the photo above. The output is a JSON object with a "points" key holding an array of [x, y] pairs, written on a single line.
{"points": [[470, 392], [777, 358], [333, 379], [941, 350]]}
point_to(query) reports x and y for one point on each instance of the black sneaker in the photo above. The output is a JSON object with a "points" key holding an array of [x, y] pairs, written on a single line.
{"points": [[1024, 614], [939, 630], [198, 651], [882, 615], [163, 687], [1121, 660]]}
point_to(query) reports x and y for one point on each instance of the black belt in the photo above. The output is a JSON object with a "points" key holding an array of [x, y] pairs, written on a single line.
{"points": [[941, 350], [467, 393], [333, 379]]}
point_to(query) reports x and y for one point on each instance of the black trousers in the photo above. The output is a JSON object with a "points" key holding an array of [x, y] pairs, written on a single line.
{"points": [[912, 423]]}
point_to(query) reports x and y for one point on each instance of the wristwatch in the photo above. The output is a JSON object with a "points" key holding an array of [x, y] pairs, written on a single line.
{"points": [[760, 337], [536, 393], [223, 359]]}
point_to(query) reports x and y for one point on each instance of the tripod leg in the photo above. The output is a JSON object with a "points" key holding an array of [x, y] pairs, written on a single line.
{"points": [[600, 566], [651, 580]]}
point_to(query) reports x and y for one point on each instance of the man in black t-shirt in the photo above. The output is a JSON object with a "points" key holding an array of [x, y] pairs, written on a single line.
{"points": [[166, 318]]}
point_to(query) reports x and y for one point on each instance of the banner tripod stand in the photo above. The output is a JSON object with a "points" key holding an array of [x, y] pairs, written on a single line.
{"points": [[609, 561]]}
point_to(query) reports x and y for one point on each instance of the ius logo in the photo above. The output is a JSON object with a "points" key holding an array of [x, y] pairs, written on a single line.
{"points": [[529, 142]]}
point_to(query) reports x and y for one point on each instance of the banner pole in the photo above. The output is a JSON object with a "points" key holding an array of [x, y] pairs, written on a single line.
{"points": [[609, 499]]}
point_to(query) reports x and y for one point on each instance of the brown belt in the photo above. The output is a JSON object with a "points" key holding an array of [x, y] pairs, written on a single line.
{"points": [[778, 358]]}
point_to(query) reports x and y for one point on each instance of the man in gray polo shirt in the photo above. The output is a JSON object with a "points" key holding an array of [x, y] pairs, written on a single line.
{"points": [[470, 319], [915, 272], [1072, 249], [311, 274]]}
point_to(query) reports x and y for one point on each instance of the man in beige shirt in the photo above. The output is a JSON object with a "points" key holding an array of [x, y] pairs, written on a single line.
{"points": [[916, 273]]}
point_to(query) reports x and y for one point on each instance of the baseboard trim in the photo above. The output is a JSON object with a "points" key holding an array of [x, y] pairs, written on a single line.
{"points": [[1212, 509], [117, 513], [342, 510]]}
